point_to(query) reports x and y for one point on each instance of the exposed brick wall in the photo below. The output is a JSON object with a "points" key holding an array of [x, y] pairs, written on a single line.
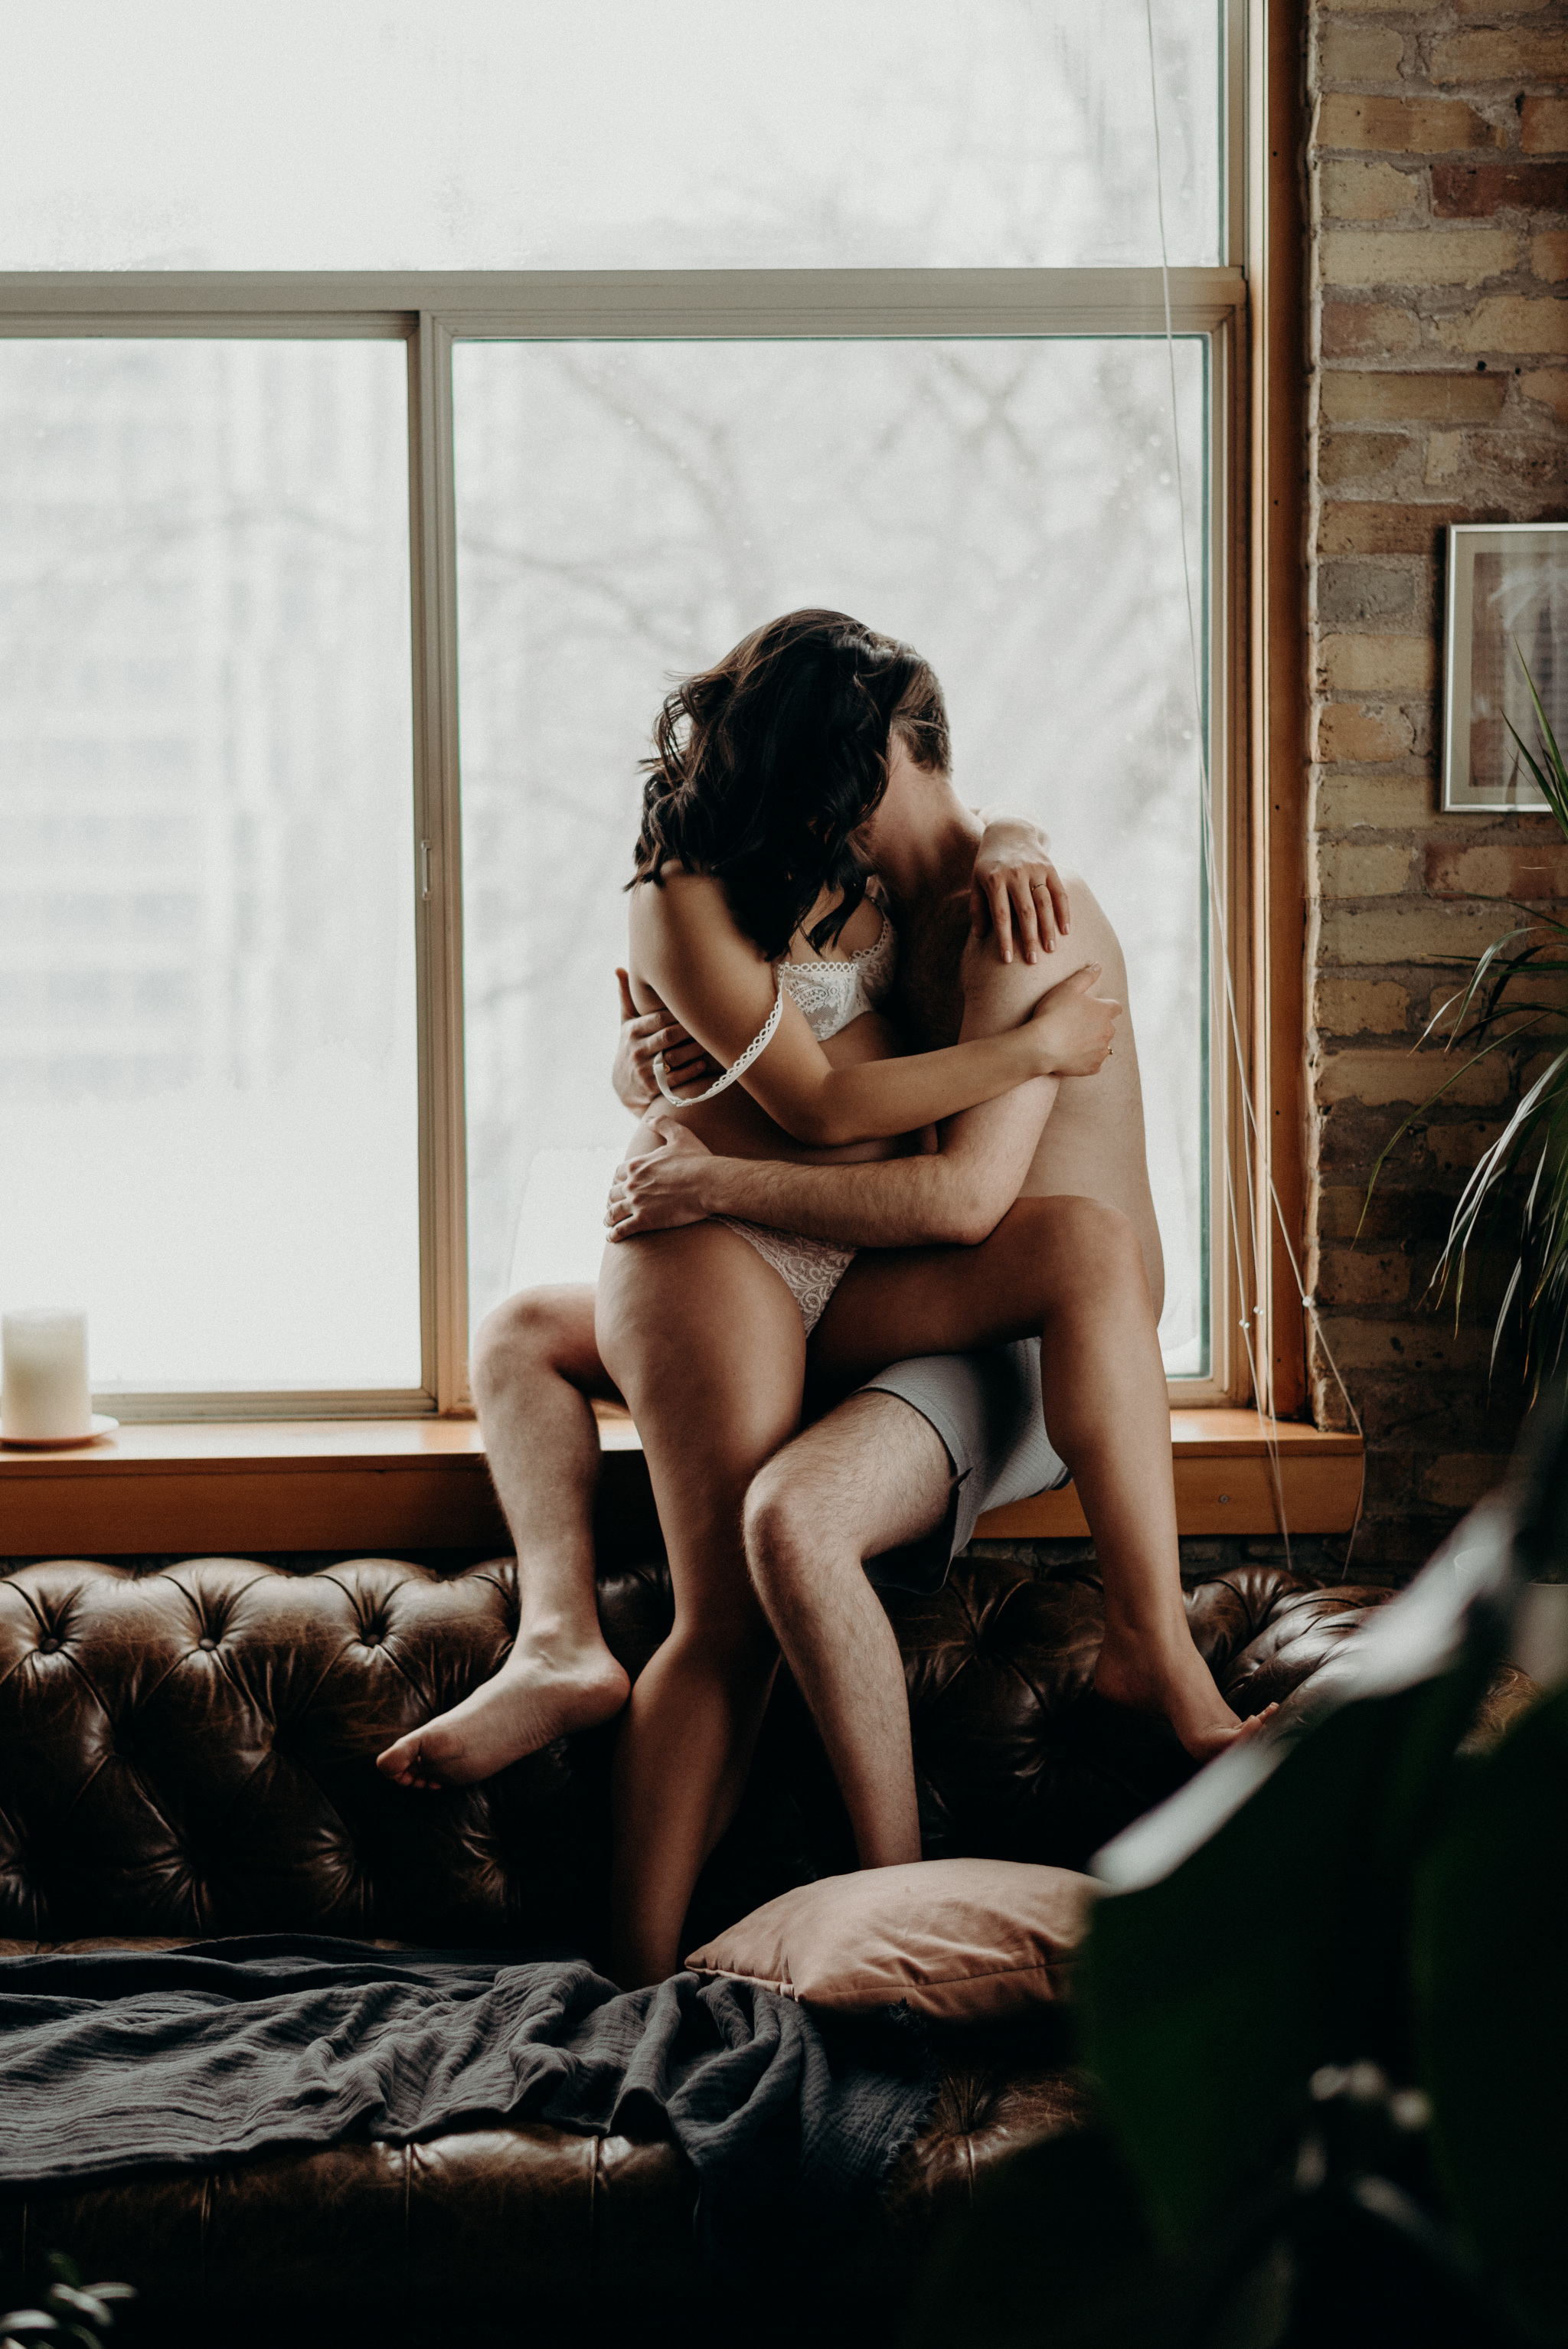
{"points": [[1439, 348]]}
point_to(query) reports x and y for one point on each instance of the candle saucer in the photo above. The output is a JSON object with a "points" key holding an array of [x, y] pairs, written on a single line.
{"points": [[101, 1428]]}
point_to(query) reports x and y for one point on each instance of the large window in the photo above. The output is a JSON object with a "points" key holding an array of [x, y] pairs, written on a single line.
{"points": [[209, 1088], [625, 510], [612, 134], [336, 602]]}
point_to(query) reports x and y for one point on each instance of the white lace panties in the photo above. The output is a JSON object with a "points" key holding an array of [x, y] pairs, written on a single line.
{"points": [[810, 1269]]}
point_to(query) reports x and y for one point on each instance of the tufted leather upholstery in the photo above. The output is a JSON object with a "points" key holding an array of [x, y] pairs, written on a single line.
{"points": [[189, 1752]]}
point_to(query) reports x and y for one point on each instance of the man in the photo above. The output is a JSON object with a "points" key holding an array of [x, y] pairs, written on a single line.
{"points": [[1047, 1184]]}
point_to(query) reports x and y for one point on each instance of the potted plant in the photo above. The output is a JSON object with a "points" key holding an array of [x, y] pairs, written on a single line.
{"points": [[1510, 991], [1320, 2015]]}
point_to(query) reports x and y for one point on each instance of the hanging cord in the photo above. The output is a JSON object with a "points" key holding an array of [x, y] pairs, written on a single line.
{"points": [[1259, 1353]]}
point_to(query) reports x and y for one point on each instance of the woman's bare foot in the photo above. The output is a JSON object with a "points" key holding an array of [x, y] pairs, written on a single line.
{"points": [[541, 1693], [1169, 1678]]}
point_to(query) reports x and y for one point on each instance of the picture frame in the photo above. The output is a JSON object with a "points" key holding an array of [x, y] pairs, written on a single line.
{"points": [[1507, 595]]}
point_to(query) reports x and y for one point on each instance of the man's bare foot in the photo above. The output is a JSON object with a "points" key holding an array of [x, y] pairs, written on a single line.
{"points": [[539, 1695], [1173, 1680]]}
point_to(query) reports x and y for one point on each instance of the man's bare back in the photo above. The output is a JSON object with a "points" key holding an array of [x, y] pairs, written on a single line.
{"points": [[1092, 1145]]}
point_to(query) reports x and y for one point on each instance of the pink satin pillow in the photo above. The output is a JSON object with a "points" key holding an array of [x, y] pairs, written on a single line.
{"points": [[968, 1939]]}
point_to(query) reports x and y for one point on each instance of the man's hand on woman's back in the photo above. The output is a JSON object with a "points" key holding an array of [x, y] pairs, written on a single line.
{"points": [[644, 1034], [673, 1183]]}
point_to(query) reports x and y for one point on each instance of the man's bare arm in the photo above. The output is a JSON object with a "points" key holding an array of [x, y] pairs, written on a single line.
{"points": [[956, 1193]]}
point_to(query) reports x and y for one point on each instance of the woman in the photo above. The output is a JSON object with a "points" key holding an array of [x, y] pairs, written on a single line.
{"points": [[751, 920]]}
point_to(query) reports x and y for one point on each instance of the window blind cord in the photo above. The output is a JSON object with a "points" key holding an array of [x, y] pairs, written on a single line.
{"points": [[1254, 1335], [1259, 1353]]}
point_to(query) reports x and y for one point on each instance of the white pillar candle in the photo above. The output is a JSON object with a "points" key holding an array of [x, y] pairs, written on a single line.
{"points": [[44, 1391]]}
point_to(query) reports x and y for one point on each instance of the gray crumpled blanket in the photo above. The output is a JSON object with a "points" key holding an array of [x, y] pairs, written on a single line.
{"points": [[124, 2060]]}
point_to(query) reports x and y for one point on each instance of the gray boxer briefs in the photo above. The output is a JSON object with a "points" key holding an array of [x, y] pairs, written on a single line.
{"points": [[986, 1408]]}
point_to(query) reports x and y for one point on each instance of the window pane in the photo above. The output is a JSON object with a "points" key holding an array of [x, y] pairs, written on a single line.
{"points": [[208, 1096], [518, 134], [627, 511]]}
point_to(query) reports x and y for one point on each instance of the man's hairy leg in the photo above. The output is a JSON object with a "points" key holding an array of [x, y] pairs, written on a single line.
{"points": [[871, 1475], [1072, 1271], [535, 1365]]}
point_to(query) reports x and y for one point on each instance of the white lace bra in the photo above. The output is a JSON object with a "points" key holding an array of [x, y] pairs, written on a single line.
{"points": [[831, 994]]}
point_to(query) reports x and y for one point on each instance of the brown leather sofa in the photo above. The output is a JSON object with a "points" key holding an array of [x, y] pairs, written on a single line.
{"points": [[188, 1751]]}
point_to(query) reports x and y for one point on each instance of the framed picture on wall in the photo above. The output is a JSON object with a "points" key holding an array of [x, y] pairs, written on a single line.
{"points": [[1506, 606]]}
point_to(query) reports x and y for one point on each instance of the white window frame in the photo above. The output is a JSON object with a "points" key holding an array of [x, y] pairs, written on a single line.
{"points": [[430, 312]]}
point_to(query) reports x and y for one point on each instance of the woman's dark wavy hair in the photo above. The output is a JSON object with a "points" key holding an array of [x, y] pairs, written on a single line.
{"points": [[765, 763]]}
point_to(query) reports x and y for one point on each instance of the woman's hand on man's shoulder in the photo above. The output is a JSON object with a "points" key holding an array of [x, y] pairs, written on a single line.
{"points": [[1017, 895], [1075, 1025]]}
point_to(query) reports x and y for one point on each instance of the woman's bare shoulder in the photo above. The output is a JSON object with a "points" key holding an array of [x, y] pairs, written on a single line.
{"points": [[678, 891], [682, 906]]}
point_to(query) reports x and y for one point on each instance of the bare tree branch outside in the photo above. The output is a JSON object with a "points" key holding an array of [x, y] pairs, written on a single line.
{"points": [[628, 512], [208, 1074]]}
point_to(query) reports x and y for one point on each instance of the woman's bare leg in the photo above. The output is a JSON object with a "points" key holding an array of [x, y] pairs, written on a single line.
{"points": [[705, 1343], [535, 1365], [1071, 1271]]}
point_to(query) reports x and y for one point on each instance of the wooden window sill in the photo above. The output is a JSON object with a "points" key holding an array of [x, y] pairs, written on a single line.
{"points": [[420, 1484]]}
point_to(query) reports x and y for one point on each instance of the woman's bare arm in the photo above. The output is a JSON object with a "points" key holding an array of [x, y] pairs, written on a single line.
{"points": [[687, 946]]}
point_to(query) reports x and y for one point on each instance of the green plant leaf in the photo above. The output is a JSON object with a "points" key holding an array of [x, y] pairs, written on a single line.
{"points": [[1536, 1291], [1542, 1272], [1415, 1118], [1484, 963], [1263, 1907], [83, 2301], [1489, 1981], [1551, 781]]}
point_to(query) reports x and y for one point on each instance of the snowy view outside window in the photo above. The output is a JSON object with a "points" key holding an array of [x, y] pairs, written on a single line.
{"points": [[208, 1093], [626, 513], [610, 134], [208, 1064]]}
